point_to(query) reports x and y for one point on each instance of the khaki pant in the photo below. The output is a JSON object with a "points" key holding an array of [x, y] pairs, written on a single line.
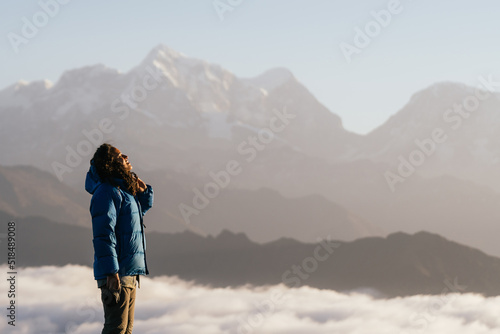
{"points": [[118, 316]]}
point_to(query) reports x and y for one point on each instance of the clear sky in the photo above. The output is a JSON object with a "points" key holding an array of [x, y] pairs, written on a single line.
{"points": [[424, 42]]}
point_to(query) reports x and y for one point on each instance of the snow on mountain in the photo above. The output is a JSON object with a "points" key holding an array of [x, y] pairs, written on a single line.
{"points": [[22, 94], [271, 79], [176, 113], [467, 145], [180, 102], [87, 78], [197, 104], [193, 76], [192, 103], [416, 119]]}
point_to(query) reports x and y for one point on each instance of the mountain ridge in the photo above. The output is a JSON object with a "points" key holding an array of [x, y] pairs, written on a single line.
{"points": [[176, 135], [28, 191], [398, 265]]}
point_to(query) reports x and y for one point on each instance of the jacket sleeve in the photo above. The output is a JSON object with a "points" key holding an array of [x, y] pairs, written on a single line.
{"points": [[146, 199], [104, 208]]}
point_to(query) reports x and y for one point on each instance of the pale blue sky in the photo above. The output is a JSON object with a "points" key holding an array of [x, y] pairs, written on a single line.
{"points": [[428, 42]]}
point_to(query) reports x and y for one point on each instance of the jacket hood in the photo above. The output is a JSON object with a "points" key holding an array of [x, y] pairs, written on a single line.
{"points": [[92, 181]]}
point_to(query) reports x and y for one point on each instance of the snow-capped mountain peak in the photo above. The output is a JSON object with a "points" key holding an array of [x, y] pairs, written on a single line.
{"points": [[272, 78], [23, 93], [179, 100], [95, 75], [162, 51], [32, 86]]}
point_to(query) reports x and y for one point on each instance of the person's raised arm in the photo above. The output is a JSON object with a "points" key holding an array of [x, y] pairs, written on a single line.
{"points": [[145, 196]]}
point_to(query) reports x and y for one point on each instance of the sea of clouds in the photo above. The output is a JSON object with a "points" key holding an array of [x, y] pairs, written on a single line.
{"points": [[65, 299]]}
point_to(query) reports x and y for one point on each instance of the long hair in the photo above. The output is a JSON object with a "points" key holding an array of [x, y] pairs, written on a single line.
{"points": [[108, 168]]}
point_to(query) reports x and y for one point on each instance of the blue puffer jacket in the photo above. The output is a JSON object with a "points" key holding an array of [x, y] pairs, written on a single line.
{"points": [[119, 241]]}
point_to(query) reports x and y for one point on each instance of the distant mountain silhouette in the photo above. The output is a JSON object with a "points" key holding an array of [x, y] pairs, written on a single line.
{"points": [[262, 214], [198, 116], [471, 146], [28, 191], [265, 215], [401, 264]]}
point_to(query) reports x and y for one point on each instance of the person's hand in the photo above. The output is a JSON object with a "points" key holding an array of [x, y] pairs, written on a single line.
{"points": [[142, 186], [113, 282]]}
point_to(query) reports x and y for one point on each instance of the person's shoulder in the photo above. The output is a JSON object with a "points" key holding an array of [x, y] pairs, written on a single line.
{"points": [[106, 189]]}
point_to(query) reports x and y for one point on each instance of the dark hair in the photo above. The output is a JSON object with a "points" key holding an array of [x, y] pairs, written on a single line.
{"points": [[108, 168]]}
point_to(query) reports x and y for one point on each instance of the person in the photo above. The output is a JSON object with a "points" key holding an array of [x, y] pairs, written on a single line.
{"points": [[119, 201]]}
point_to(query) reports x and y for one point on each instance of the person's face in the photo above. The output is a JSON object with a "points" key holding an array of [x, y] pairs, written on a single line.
{"points": [[122, 159]]}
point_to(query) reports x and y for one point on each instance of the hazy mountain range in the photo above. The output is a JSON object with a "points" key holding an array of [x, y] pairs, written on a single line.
{"points": [[398, 265], [267, 215], [180, 118]]}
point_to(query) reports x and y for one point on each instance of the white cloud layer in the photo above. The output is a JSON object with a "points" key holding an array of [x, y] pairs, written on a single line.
{"points": [[60, 300]]}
